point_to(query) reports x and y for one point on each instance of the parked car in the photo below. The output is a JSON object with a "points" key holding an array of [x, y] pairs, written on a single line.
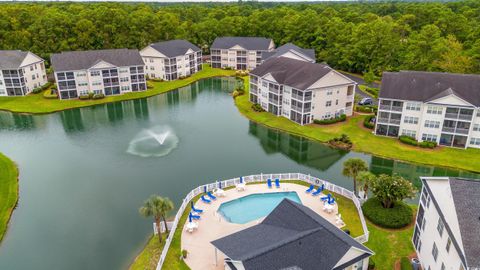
{"points": [[365, 101]]}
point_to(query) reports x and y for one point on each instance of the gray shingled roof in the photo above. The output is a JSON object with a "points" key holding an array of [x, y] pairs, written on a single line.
{"points": [[78, 60], [174, 48], [11, 59], [287, 47], [465, 194], [427, 86], [291, 236], [295, 73], [249, 43]]}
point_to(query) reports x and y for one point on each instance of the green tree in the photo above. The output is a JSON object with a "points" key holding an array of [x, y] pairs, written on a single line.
{"points": [[454, 59], [157, 207], [390, 189], [365, 178], [351, 168]]}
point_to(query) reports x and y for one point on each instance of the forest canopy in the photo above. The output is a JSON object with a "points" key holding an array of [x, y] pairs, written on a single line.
{"points": [[356, 37]]}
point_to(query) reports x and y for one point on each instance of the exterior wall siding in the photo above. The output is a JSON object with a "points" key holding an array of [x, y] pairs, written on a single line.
{"points": [[174, 67]]}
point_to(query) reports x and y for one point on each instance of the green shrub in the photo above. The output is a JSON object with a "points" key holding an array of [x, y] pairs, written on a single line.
{"points": [[241, 73], [371, 264], [98, 96], [371, 90], [37, 90], [149, 85], [399, 216], [49, 94], [238, 92], [84, 97], [405, 264], [227, 68], [156, 80], [427, 144], [54, 87], [256, 107], [47, 85], [408, 140], [367, 122], [342, 118], [366, 108]]}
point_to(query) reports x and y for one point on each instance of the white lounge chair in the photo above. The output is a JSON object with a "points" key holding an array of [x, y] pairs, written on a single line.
{"points": [[191, 226]]}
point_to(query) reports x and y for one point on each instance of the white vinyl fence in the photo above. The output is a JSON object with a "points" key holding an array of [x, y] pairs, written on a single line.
{"points": [[262, 178]]}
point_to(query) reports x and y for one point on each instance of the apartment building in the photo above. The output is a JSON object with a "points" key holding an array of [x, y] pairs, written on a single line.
{"points": [[108, 72], [20, 73], [291, 51], [169, 60], [301, 91], [243, 53], [447, 228], [430, 106]]}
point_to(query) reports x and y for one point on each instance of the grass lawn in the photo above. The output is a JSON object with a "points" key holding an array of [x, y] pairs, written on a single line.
{"points": [[371, 91], [148, 258], [36, 103], [8, 191], [363, 139]]}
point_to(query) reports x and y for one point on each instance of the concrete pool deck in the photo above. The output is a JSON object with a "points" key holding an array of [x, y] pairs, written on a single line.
{"points": [[212, 226]]}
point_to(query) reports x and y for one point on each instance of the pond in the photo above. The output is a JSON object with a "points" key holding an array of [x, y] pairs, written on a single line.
{"points": [[85, 172]]}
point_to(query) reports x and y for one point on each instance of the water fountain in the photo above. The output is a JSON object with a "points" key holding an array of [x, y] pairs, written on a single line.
{"points": [[157, 141]]}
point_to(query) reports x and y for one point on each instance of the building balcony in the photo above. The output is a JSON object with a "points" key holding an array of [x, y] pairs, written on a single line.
{"points": [[391, 108], [456, 130], [389, 121]]}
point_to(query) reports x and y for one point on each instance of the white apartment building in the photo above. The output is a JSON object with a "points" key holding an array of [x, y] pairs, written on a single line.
{"points": [[447, 227], [243, 53], [301, 91], [430, 106], [169, 60], [20, 73], [108, 72], [291, 51]]}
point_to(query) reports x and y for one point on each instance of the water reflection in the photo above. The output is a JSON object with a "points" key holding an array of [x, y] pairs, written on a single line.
{"points": [[14, 121], [299, 149]]}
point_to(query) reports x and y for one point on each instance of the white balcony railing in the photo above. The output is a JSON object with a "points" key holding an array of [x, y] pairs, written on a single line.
{"points": [[263, 178]]}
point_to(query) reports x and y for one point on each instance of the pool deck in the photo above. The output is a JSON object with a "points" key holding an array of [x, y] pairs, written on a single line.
{"points": [[212, 226]]}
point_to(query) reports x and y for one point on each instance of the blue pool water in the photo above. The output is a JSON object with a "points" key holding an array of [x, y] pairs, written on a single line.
{"points": [[255, 206]]}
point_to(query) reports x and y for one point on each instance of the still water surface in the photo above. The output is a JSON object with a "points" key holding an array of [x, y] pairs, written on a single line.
{"points": [[81, 182]]}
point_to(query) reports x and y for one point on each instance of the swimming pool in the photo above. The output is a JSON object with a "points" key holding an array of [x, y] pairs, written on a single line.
{"points": [[254, 206]]}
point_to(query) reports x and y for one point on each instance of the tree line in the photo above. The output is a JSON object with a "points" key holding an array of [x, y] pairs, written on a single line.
{"points": [[356, 37]]}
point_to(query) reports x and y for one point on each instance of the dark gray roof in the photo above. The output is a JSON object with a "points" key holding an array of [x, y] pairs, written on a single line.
{"points": [[11, 59], [465, 194], [78, 60], [174, 48], [249, 43], [295, 73], [291, 236], [287, 47], [428, 86]]}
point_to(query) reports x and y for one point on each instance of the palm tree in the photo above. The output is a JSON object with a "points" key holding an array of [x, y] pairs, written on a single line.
{"points": [[351, 168], [365, 178], [157, 207]]}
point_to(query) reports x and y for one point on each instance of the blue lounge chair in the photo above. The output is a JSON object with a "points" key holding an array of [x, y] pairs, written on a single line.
{"points": [[205, 200], [210, 195], [331, 200], [326, 198], [318, 191], [277, 183], [194, 216], [309, 189], [269, 183], [195, 209]]}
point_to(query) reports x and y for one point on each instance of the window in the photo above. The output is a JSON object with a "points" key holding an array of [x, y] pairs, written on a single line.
{"points": [[264, 84], [124, 79], [434, 110], [336, 102], [440, 226], [476, 127], [410, 120], [82, 84], [125, 88], [329, 92], [328, 104], [95, 73], [123, 70], [429, 137], [432, 124], [410, 133], [97, 83], [413, 106], [81, 74], [475, 141], [449, 243], [435, 251]]}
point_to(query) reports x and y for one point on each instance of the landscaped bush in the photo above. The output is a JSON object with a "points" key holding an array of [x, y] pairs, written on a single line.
{"points": [[371, 90], [368, 122], [54, 87], [405, 264], [342, 118], [156, 80], [149, 85], [399, 216], [371, 264], [241, 73], [256, 107], [47, 85], [342, 142], [366, 108], [84, 97], [408, 140], [427, 144], [98, 96], [227, 68], [50, 94], [37, 90]]}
